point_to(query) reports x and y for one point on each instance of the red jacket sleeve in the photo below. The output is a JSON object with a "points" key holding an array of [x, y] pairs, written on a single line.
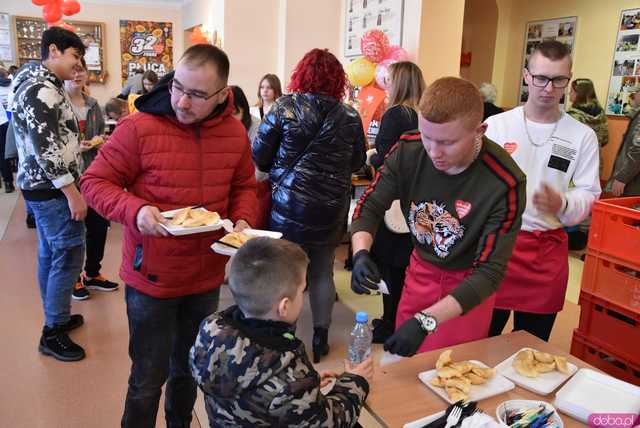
{"points": [[115, 168], [243, 199]]}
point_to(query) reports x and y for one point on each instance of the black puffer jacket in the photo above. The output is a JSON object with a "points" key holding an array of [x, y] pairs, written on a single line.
{"points": [[310, 144]]}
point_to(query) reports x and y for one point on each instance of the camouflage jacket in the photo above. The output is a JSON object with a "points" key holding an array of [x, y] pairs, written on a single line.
{"points": [[595, 118], [46, 130], [255, 373], [626, 168]]}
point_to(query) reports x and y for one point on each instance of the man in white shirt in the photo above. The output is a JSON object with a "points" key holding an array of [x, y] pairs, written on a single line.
{"points": [[559, 155]]}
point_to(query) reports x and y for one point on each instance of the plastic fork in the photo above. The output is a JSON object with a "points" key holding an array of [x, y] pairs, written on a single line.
{"points": [[454, 417]]}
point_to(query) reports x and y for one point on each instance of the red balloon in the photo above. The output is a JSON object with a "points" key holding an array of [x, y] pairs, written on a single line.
{"points": [[40, 2], [51, 12], [374, 45], [70, 7]]}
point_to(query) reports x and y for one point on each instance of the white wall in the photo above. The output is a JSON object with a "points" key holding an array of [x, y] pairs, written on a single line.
{"points": [[251, 42]]}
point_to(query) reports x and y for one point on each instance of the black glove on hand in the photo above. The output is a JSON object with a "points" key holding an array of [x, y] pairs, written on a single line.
{"points": [[407, 339], [365, 275]]}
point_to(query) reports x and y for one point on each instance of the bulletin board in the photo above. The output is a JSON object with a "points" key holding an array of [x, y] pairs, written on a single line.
{"points": [[364, 15], [625, 67]]}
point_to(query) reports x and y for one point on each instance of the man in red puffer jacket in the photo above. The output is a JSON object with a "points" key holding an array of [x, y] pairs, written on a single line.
{"points": [[183, 149]]}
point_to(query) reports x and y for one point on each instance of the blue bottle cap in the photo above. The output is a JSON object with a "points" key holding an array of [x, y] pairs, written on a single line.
{"points": [[362, 317]]}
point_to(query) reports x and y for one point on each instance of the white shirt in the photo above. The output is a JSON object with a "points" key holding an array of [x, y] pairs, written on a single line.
{"points": [[569, 156]]}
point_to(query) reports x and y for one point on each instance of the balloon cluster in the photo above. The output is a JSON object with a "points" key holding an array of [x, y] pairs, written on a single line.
{"points": [[378, 56], [53, 10]]}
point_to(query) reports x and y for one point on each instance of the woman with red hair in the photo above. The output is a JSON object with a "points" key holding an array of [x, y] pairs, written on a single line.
{"points": [[310, 143]]}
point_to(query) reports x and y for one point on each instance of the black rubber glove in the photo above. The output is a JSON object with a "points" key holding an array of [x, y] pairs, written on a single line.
{"points": [[407, 339], [365, 275]]}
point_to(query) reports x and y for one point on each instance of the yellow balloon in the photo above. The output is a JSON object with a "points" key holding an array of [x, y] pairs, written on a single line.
{"points": [[361, 72]]}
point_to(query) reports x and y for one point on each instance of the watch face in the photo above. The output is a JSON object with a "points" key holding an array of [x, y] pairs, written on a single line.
{"points": [[430, 323]]}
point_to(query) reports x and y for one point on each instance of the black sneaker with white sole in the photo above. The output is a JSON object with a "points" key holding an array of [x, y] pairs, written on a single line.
{"points": [[80, 292], [99, 283], [56, 343]]}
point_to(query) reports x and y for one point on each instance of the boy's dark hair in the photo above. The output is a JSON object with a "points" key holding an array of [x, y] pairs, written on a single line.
{"points": [[264, 271], [198, 55], [553, 50], [240, 102], [63, 39]]}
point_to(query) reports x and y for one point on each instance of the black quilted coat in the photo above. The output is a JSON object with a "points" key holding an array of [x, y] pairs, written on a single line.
{"points": [[310, 144]]}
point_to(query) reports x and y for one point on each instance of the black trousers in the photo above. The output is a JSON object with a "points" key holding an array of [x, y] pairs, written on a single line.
{"points": [[97, 228], [539, 325], [5, 164]]}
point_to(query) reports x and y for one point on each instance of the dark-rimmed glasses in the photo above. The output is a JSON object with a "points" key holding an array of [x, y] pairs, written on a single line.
{"points": [[541, 81], [178, 90]]}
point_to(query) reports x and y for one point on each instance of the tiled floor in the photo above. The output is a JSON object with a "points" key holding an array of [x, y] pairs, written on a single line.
{"points": [[41, 392]]}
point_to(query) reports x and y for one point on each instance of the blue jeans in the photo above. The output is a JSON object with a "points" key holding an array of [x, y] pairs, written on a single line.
{"points": [[60, 256], [161, 333]]}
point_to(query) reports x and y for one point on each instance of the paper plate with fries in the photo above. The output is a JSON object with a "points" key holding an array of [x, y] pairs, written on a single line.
{"points": [[189, 220], [231, 242]]}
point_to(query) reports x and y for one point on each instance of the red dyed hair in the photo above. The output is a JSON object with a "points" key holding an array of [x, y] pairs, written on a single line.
{"points": [[319, 72]]}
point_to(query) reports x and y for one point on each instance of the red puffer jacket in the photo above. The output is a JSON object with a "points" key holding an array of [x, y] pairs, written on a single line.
{"points": [[163, 163]]}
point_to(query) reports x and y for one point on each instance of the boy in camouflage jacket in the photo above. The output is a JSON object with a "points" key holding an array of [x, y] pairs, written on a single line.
{"points": [[252, 369]]}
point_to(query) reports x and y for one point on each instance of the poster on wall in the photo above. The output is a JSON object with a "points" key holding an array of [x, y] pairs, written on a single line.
{"points": [[560, 29], [364, 15], [625, 70], [147, 45], [5, 38]]}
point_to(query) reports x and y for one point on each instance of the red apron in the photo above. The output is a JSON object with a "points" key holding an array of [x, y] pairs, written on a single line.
{"points": [[426, 284], [537, 273]]}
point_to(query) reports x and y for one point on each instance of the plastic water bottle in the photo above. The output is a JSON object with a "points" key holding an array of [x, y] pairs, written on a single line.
{"points": [[360, 340]]}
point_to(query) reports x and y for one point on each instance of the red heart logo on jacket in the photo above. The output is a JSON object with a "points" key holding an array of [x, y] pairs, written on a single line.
{"points": [[510, 147], [462, 208]]}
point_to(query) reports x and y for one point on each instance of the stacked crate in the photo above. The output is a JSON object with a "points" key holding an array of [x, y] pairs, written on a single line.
{"points": [[608, 336]]}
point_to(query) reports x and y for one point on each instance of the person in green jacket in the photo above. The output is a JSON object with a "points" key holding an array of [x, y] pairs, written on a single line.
{"points": [[585, 108]]}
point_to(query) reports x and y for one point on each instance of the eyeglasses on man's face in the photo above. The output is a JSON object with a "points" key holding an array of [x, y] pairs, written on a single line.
{"points": [[175, 88], [541, 81]]}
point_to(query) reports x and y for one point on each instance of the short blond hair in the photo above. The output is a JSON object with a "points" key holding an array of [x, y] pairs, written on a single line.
{"points": [[451, 98]]}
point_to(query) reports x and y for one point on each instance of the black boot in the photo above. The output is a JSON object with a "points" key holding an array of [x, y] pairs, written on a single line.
{"points": [[56, 343], [320, 343], [9, 187]]}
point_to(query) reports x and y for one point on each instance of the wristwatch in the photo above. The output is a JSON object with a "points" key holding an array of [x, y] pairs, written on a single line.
{"points": [[428, 323]]}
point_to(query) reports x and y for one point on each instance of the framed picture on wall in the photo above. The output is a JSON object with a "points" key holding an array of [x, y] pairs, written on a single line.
{"points": [[560, 29], [147, 45], [364, 15], [625, 67]]}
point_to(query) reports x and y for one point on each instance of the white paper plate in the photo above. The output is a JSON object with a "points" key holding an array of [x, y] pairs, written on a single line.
{"points": [[495, 386], [593, 392], [544, 384], [228, 251], [179, 230], [527, 404], [419, 423]]}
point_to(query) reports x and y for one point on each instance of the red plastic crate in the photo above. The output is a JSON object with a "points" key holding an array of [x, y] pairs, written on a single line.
{"points": [[611, 281], [604, 359], [612, 326], [615, 230]]}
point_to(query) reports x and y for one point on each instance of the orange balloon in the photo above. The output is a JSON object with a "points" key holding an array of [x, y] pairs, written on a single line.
{"points": [[40, 2]]}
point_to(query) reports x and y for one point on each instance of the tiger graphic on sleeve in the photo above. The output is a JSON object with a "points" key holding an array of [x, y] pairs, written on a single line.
{"points": [[433, 225]]}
